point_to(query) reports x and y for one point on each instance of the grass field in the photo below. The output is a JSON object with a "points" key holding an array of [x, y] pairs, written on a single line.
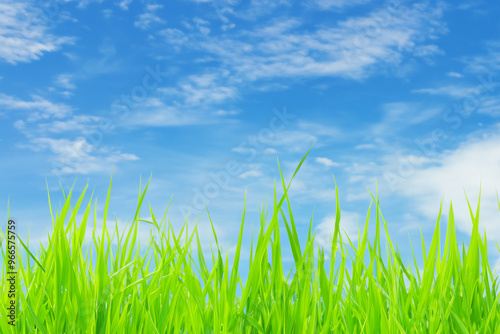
{"points": [[71, 287]]}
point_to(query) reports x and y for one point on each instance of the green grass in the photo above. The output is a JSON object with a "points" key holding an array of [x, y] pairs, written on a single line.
{"points": [[72, 287]]}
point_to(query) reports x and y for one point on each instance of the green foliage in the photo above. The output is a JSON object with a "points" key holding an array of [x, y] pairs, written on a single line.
{"points": [[72, 287]]}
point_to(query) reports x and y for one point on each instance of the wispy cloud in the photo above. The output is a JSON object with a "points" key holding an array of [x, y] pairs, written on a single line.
{"points": [[454, 75], [327, 162], [365, 147], [450, 90], [69, 139], [124, 4], [349, 223], [149, 18], [74, 123], [337, 4], [38, 108], [251, 173], [24, 34], [284, 49], [400, 115], [487, 62], [154, 112], [258, 8], [65, 81], [297, 139], [194, 100], [78, 156], [490, 106], [201, 89]]}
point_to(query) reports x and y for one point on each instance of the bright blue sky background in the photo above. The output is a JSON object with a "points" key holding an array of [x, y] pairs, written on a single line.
{"points": [[406, 93]]}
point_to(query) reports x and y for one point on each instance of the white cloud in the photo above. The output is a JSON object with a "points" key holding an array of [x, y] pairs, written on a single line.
{"points": [[425, 180], [82, 123], [246, 10], [270, 150], [450, 90], [24, 34], [294, 138], [283, 48], [39, 108], [65, 81], [44, 117], [201, 89], [400, 115], [354, 48], [78, 156], [251, 173], [349, 222], [256, 8], [201, 25], [124, 4], [490, 106], [154, 112], [82, 154], [149, 18], [293, 141], [174, 36], [327, 162], [327, 4], [75, 123], [365, 147], [454, 75], [487, 62], [196, 95], [194, 100], [411, 223], [222, 112], [475, 161], [319, 129], [107, 13], [482, 95]]}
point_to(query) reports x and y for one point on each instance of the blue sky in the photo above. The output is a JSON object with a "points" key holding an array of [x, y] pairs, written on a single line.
{"points": [[205, 95]]}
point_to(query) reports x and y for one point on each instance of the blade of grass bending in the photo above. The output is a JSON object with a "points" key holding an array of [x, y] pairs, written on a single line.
{"points": [[50, 204], [42, 329], [234, 271], [336, 232], [30, 254], [106, 206]]}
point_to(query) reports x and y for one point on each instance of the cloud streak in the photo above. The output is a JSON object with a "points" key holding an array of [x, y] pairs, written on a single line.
{"points": [[24, 33], [354, 48]]}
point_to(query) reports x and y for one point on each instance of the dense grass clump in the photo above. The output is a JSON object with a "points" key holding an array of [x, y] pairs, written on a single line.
{"points": [[71, 287]]}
